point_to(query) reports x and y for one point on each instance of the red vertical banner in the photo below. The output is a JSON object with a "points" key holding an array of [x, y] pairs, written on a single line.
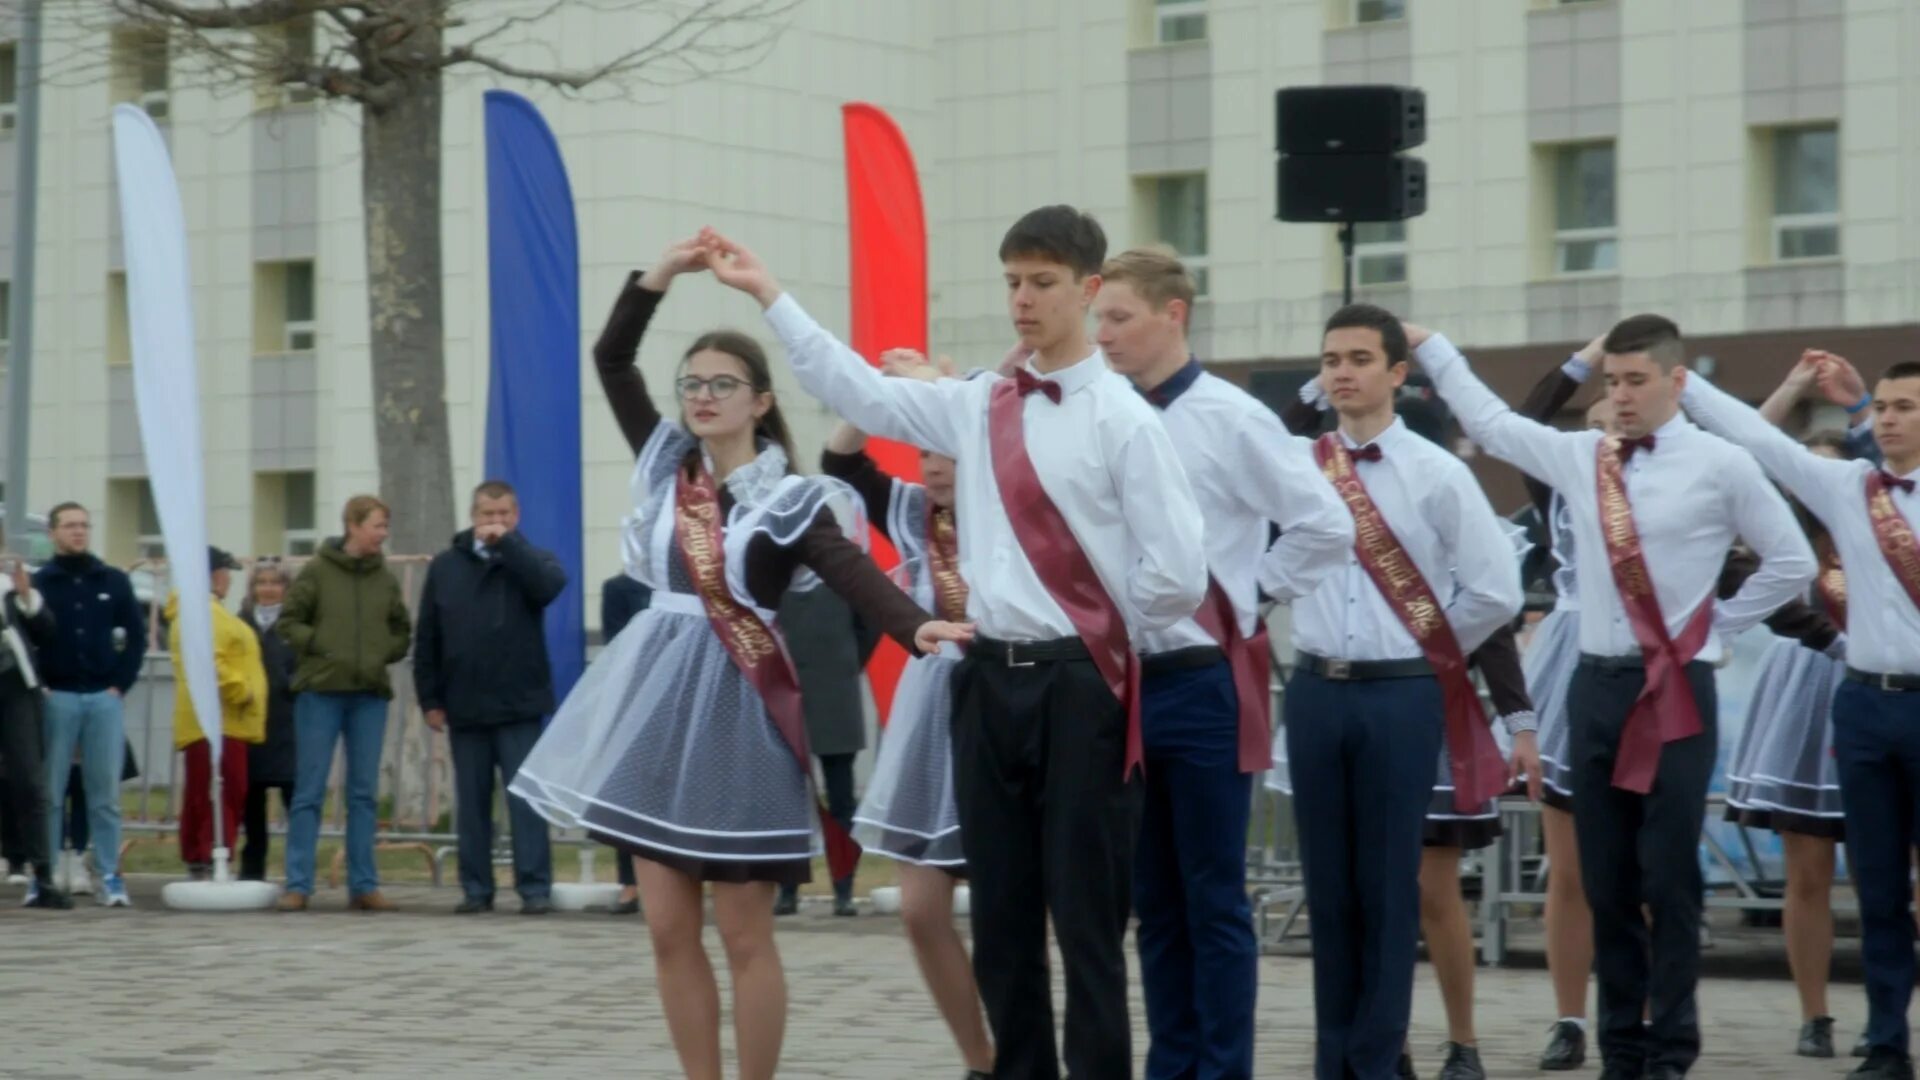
{"points": [[887, 235]]}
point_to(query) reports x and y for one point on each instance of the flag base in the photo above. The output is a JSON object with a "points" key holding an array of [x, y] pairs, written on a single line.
{"points": [[569, 896], [886, 900]]}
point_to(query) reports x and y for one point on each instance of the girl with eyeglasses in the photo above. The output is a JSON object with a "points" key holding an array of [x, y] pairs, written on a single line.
{"points": [[683, 744]]}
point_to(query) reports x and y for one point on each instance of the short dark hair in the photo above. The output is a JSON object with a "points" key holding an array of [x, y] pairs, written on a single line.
{"points": [[1060, 234], [1905, 369], [1655, 335], [1835, 441], [53, 515], [495, 489], [1393, 336]]}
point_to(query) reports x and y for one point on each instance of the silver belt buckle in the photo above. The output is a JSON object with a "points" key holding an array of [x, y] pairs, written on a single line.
{"points": [[1011, 662], [1338, 669]]}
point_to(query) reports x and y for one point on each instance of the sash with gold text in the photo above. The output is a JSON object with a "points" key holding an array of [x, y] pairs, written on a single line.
{"points": [[755, 648], [1665, 711], [1479, 772], [1896, 536]]}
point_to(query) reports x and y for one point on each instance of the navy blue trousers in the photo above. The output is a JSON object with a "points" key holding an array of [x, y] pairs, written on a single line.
{"points": [[1198, 957], [1876, 741], [1361, 754]]}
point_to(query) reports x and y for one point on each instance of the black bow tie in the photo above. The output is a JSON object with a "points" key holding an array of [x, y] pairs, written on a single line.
{"points": [[1026, 382], [1369, 452], [1894, 482], [1628, 446]]}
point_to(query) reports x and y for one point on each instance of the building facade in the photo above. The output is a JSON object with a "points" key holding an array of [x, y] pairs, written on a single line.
{"points": [[1746, 166]]}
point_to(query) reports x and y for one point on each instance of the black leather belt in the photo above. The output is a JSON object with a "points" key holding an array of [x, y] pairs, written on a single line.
{"points": [[1027, 653], [1634, 662], [1344, 670], [1884, 682], [1194, 656]]}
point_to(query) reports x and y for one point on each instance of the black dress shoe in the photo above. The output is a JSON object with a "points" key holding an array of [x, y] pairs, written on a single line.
{"points": [[539, 905], [1861, 1047], [1405, 1069], [473, 906], [1463, 1063], [845, 907], [44, 895], [1567, 1049], [788, 903], [1884, 1065], [624, 907], [1622, 1072], [1816, 1038], [1665, 1072]]}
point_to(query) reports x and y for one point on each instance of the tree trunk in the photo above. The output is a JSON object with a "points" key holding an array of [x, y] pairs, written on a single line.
{"points": [[400, 182]]}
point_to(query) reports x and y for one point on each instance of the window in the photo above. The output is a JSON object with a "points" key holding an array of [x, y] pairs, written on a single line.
{"points": [[9, 85], [1806, 193], [140, 70], [298, 298], [285, 47], [1372, 11], [1176, 215], [1380, 253], [297, 518], [1175, 21], [300, 49], [1585, 239]]}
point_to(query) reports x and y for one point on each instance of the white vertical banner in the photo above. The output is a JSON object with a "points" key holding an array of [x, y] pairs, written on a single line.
{"points": [[166, 388]]}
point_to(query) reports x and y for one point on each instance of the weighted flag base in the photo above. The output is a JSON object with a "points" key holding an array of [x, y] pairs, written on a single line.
{"points": [[222, 893]]}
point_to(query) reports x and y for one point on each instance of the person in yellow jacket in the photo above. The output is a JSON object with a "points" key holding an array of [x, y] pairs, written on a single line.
{"points": [[243, 719]]}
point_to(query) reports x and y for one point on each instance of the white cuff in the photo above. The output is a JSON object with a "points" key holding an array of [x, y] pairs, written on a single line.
{"points": [[1576, 369], [1436, 354], [1521, 721], [1312, 393], [788, 319]]}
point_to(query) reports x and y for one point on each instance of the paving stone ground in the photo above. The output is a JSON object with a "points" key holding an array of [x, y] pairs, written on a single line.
{"points": [[422, 994]]}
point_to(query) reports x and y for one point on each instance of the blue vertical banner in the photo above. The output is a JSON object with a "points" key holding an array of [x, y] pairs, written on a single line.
{"points": [[533, 395]]}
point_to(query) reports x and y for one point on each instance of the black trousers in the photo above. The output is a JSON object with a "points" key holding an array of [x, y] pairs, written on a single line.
{"points": [[478, 750], [26, 783], [837, 769], [1048, 825], [1642, 850], [253, 849]]}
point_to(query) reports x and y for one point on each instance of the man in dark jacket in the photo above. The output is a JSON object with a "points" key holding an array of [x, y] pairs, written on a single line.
{"points": [[26, 622], [480, 664], [88, 667]]}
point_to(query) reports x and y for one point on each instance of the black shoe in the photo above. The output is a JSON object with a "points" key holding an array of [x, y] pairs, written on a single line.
{"points": [[473, 906], [1567, 1049], [1816, 1038], [1884, 1064], [788, 903], [845, 907], [42, 894], [539, 905], [1463, 1063], [1405, 1069], [199, 871], [1861, 1047], [624, 907], [1665, 1072], [1622, 1072]]}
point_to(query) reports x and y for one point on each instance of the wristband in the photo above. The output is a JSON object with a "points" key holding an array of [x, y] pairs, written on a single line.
{"points": [[1865, 400]]}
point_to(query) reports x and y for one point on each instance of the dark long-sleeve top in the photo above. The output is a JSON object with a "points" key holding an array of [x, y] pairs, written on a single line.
{"points": [[1498, 659], [822, 548], [863, 474]]}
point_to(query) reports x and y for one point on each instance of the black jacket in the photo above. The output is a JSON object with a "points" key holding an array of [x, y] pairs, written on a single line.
{"points": [[479, 646], [36, 632], [273, 761], [99, 638]]}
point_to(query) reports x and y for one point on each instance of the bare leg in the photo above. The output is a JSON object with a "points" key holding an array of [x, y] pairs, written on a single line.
{"points": [[687, 990], [1809, 918], [926, 906], [1443, 922], [744, 914], [1569, 920]]}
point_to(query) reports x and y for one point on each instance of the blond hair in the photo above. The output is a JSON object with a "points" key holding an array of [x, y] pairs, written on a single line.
{"points": [[1156, 273], [360, 508]]}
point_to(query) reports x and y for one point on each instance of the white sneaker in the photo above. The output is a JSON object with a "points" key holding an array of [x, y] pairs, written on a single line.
{"points": [[79, 877], [113, 892]]}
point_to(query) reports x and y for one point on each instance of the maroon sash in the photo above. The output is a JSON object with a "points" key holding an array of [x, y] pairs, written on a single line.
{"points": [[1473, 757], [1059, 561], [1896, 537], [1665, 711], [943, 565], [1831, 585], [1250, 660], [756, 649]]}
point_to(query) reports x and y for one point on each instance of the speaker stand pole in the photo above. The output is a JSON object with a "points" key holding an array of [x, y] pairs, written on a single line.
{"points": [[1346, 260]]}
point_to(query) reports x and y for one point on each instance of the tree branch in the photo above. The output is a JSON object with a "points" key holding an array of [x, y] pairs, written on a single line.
{"points": [[683, 40]]}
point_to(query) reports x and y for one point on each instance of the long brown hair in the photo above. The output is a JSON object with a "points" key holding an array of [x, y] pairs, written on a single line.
{"points": [[772, 426]]}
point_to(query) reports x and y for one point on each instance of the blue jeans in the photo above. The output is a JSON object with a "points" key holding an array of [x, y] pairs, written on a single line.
{"points": [[94, 725], [320, 721]]}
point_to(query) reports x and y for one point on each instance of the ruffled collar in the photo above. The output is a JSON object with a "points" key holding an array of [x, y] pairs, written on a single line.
{"points": [[753, 482]]}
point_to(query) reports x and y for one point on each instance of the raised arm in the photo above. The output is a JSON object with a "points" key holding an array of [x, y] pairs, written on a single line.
{"points": [[615, 355], [1557, 458], [1283, 485], [1545, 401], [1816, 481], [1168, 579], [1762, 518], [1486, 576], [845, 458]]}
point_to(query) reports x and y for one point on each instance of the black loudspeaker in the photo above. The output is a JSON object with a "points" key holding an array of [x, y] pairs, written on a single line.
{"points": [[1350, 119], [1340, 188]]}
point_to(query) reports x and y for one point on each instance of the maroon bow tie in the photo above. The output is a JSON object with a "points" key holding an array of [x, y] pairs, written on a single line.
{"points": [[1895, 483], [1369, 452], [1026, 382], [1628, 446]]}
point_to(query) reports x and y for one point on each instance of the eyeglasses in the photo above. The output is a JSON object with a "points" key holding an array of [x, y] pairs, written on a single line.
{"points": [[719, 388]]}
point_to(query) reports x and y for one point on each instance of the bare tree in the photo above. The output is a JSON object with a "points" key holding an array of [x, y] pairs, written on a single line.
{"points": [[388, 57]]}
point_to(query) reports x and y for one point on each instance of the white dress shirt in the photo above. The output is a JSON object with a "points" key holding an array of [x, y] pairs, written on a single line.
{"points": [[1437, 511], [1883, 626], [1693, 495], [1102, 456], [1246, 471]]}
